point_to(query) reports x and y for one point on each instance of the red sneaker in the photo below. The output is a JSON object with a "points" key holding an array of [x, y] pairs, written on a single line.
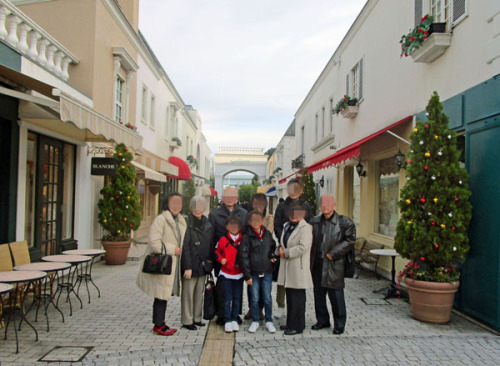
{"points": [[164, 330]]}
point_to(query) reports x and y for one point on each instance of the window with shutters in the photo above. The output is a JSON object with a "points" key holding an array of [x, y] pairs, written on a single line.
{"points": [[450, 11], [152, 116], [144, 105], [330, 114], [354, 81], [119, 98], [167, 112]]}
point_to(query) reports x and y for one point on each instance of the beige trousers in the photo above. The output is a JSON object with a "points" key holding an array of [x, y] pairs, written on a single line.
{"points": [[192, 299]]}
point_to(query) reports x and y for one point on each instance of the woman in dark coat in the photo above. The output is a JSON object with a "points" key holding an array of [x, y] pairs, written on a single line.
{"points": [[196, 263]]}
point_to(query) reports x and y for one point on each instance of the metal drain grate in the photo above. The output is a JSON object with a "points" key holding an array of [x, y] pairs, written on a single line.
{"points": [[66, 354], [375, 301]]}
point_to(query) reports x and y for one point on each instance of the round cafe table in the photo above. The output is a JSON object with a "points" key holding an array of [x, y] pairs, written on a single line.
{"points": [[391, 290], [87, 276], [76, 261], [16, 279], [45, 297], [4, 288]]}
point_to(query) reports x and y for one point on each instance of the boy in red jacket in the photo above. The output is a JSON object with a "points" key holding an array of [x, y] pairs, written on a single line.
{"points": [[230, 274]]}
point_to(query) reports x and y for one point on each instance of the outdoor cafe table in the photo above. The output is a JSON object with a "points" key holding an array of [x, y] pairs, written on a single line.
{"points": [[391, 290], [4, 288], [87, 276], [45, 295], [16, 278], [76, 261]]}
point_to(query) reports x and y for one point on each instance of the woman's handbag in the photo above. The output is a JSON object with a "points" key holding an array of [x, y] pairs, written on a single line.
{"points": [[209, 300], [158, 263], [207, 266]]}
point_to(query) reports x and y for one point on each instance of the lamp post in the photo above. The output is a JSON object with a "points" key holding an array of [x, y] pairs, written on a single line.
{"points": [[400, 160], [359, 169]]}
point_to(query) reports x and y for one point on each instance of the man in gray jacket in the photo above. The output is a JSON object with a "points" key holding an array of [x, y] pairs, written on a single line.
{"points": [[333, 237]]}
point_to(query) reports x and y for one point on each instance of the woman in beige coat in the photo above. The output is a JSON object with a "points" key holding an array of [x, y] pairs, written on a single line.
{"points": [[294, 273], [168, 228]]}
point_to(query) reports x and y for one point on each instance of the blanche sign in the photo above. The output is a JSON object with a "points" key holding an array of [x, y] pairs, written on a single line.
{"points": [[103, 166]]}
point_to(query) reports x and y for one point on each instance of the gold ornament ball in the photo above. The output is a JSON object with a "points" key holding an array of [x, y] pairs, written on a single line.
{"points": [[435, 200], [408, 201], [104, 221], [427, 154], [436, 137], [123, 166], [118, 231], [415, 130], [124, 219], [443, 226]]}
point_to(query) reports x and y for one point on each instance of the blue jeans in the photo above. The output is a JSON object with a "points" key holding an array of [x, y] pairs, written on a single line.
{"points": [[261, 288], [233, 291]]}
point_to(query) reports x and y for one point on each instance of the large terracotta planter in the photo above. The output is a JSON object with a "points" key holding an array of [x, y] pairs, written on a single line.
{"points": [[431, 302], [116, 251]]}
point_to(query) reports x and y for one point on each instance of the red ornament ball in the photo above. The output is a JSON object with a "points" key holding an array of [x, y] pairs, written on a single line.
{"points": [[422, 200], [117, 197], [426, 125], [409, 161], [456, 199], [436, 246], [114, 222], [426, 167], [453, 228], [422, 259], [131, 225], [433, 223]]}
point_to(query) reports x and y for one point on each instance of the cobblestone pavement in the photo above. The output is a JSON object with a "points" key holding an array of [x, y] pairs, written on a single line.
{"points": [[116, 330]]}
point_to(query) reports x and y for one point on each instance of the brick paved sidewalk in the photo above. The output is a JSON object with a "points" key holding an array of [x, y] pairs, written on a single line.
{"points": [[117, 331]]}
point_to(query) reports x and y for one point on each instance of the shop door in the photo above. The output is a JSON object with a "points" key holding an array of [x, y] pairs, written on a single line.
{"points": [[49, 196]]}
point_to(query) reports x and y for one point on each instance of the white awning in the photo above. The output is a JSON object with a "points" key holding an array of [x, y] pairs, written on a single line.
{"points": [[167, 168], [150, 173], [85, 118]]}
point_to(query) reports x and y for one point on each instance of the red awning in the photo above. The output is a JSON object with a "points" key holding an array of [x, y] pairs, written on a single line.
{"points": [[213, 192], [352, 150], [184, 171], [283, 180]]}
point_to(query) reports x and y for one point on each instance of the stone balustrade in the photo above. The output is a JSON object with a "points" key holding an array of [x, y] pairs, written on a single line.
{"points": [[29, 39]]}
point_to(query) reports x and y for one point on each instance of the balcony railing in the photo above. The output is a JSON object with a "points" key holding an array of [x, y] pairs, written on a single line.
{"points": [[32, 41]]}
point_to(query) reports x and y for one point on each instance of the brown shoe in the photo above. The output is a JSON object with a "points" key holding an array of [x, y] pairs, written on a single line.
{"points": [[248, 315]]}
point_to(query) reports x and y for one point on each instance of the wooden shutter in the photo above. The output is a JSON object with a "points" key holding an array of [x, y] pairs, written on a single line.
{"points": [[459, 11], [347, 84], [360, 81], [418, 11]]}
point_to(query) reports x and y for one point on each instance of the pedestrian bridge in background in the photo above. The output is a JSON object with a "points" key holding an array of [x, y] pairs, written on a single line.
{"points": [[233, 159]]}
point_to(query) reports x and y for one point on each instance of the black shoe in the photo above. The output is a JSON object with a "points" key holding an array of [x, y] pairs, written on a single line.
{"points": [[292, 332], [200, 324], [220, 321], [283, 327], [239, 321], [319, 326], [338, 330], [190, 327]]}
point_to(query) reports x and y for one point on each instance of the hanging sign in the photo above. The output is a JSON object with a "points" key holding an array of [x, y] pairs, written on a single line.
{"points": [[103, 166]]}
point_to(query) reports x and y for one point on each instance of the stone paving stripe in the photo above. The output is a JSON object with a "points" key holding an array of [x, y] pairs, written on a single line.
{"points": [[218, 349], [368, 301]]}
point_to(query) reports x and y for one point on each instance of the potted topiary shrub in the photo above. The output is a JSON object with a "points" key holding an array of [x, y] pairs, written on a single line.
{"points": [[435, 215], [119, 208]]}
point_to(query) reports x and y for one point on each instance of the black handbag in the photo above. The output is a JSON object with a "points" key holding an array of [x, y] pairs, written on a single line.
{"points": [[209, 300], [207, 265], [349, 265], [158, 263]]}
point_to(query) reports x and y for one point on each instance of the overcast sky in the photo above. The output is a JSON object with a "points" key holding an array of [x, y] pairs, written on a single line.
{"points": [[245, 65]]}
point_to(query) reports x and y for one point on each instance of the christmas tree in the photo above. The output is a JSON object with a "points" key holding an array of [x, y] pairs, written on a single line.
{"points": [[309, 194], [189, 192], [119, 207], [435, 208]]}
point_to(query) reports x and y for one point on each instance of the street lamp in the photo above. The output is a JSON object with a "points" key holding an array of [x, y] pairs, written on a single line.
{"points": [[321, 182], [400, 160], [359, 169]]}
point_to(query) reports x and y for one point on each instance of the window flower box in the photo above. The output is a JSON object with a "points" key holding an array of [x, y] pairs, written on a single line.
{"points": [[350, 111], [432, 48], [176, 141], [426, 42]]}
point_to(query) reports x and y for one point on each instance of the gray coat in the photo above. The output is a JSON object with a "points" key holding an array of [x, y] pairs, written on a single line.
{"points": [[339, 236], [294, 270]]}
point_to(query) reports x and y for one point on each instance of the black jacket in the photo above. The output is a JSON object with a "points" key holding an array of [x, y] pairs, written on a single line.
{"points": [[255, 253], [218, 218], [338, 234], [281, 216], [197, 246]]}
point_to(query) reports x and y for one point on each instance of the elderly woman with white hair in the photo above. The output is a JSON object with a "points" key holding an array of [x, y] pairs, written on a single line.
{"points": [[196, 263]]}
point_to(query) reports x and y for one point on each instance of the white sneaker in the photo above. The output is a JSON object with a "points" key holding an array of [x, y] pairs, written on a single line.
{"points": [[228, 327], [270, 327], [235, 326], [254, 326], [278, 313]]}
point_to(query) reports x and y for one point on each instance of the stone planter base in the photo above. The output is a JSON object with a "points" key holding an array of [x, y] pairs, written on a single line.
{"points": [[350, 111], [432, 48], [116, 251], [431, 302]]}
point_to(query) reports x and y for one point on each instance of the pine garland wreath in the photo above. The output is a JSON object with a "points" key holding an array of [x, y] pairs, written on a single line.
{"points": [[435, 207], [119, 207], [309, 194]]}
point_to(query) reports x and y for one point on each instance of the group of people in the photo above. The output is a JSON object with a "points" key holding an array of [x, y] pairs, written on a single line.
{"points": [[293, 248]]}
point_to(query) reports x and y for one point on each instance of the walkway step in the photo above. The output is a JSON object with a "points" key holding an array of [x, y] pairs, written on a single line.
{"points": [[218, 349]]}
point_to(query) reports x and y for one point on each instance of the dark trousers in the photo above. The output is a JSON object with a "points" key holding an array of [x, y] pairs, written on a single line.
{"points": [[159, 309], [296, 309], [233, 290], [336, 297]]}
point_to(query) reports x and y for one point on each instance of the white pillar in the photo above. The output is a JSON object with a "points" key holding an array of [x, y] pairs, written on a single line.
{"points": [[51, 49], [64, 66], [33, 38], [4, 13], [23, 37], [42, 58], [13, 22]]}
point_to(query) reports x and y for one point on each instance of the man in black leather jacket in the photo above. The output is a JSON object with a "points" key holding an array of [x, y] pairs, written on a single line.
{"points": [[333, 237]]}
